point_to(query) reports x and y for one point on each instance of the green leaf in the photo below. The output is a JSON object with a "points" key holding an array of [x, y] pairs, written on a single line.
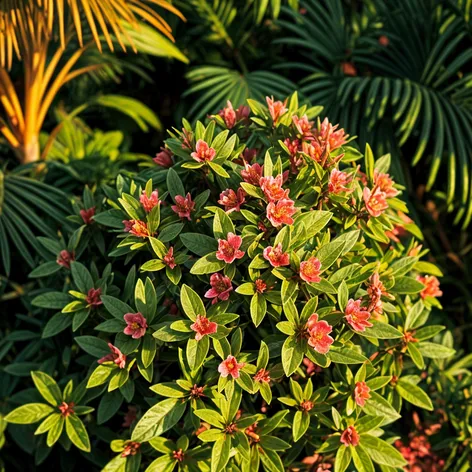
{"points": [[381, 452], [58, 323], [116, 307], [413, 394], [415, 355], [208, 264], [29, 413], [158, 419], [376, 405], [258, 308], [220, 454], [191, 303], [343, 459], [222, 225], [109, 405], [169, 389], [96, 347], [345, 355], [301, 422], [52, 300], [77, 433], [292, 355], [48, 268], [174, 184], [81, 277], [210, 416], [100, 375], [381, 330], [407, 285], [199, 244], [55, 431], [47, 387], [329, 253], [361, 459], [434, 350], [369, 163], [197, 352]]}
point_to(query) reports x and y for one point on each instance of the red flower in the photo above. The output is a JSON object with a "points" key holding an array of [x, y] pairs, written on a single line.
{"points": [[164, 158], [221, 287], [262, 376], [87, 215], [130, 416], [168, 259], [260, 285], [350, 437], [136, 325], [349, 68], [330, 135], [272, 188], [279, 213], [304, 127], [203, 152], [249, 154], [150, 202], [356, 316], [65, 258], [137, 227], [66, 409], [310, 270], [318, 332], [276, 109], [131, 449], [231, 200], [276, 256], [116, 356], [361, 393], [383, 40], [228, 114], [252, 174], [228, 249], [338, 181], [187, 137], [178, 455], [375, 201], [183, 206], [431, 284], [93, 297], [203, 326], [385, 183], [293, 146], [375, 291], [314, 150], [230, 366]]}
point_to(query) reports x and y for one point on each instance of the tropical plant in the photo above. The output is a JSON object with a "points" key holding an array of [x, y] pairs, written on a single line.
{"points": [[395, 73], [41, 34], [223, 288]]}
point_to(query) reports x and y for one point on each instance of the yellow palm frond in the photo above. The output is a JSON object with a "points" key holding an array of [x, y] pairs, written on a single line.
{"points": [[25, 24]]}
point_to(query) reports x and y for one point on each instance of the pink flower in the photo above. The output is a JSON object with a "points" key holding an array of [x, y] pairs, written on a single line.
{"points": [[183, 206], [87, 215], [310, 270], [293, 146], [314, 151], [272, 188], [329, 135], [260, 285], [431, 284], [231, 117], [356, 316], [230, 366], [168, 259], [221, 287], [203, 152], [65, 258], [276, 256], [150, 202], [350, 437], [137, 227], [375, 201], [262, 376], [130, 416], [164, 158], [281, 212], [203, 326], [383, 40], [385, 184], [131, 449], [228, 249], [231, 200], [361, 393], [252, 174], [136, 325], [249, 154], [187, 138], [318, 332], [276, 109], [304, 127], [66, 409], [116, 356], [338, 181], [349, 68], [94, 297], [375, 290]]}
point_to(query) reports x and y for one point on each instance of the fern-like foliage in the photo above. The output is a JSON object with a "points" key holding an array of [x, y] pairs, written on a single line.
{"points": [[397, 74]]}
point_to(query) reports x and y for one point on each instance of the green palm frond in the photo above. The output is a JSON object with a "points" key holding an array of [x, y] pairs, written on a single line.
{"points": [[414, 88], [28, 208], [216, 85]]}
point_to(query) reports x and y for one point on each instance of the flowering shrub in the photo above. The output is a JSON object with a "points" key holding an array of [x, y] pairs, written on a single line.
{"points": [[274, 301]]}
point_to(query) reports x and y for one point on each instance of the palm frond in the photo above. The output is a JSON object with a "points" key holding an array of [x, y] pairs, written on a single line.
{"points": [[216, 85], [406, 81]]}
